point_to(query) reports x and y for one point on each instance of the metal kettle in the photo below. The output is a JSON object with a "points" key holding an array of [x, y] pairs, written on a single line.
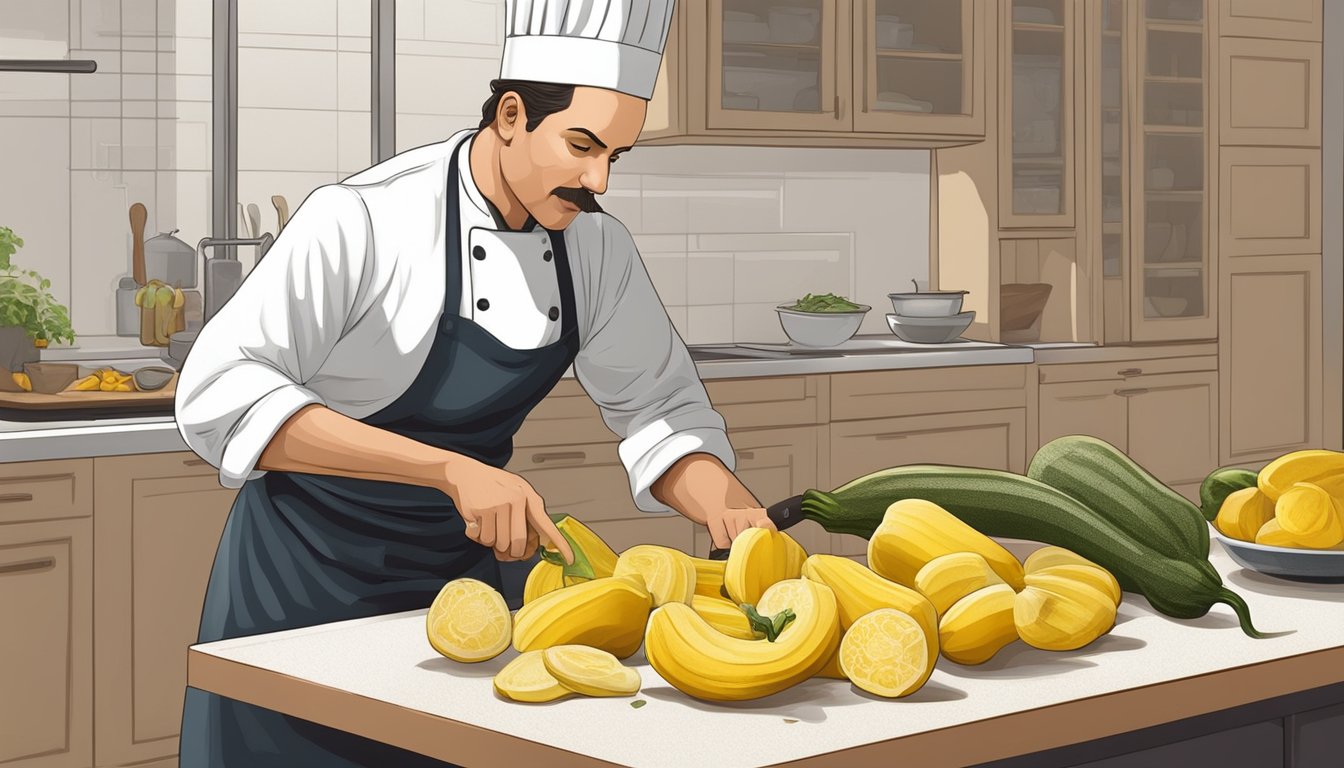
{"points": [[170, 260]]}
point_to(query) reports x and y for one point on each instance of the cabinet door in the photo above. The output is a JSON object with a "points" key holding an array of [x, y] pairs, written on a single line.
{"points": [[1272, 92], [1172, 285], [915, 66], [1173, 425], [46, 647], [1270, 202], [1036, 122], [775, 64], [1270, 358], [1283, 19], [587, 482], [1110, 104], [1085, 408], [157, 527], [666, 115]]}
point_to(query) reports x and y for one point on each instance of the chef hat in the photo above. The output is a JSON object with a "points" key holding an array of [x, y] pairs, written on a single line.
{"points": [[614, 44]]}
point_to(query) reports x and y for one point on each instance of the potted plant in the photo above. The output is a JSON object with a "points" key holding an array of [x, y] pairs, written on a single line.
{"points": [[30, 317]]}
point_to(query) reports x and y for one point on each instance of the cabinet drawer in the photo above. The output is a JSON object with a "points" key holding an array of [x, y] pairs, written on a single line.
{"points": [[587, 482], [663, 529], [46, 490], [1122, 370], [566, 416], [772, 401], [988, 439], [877, 394]]}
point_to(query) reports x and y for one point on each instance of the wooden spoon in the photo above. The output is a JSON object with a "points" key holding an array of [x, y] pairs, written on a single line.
{"points": [[281, 211], [139, 215]]}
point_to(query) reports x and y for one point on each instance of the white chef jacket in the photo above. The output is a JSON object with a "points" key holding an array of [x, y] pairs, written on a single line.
{"points": [[343, 309]]}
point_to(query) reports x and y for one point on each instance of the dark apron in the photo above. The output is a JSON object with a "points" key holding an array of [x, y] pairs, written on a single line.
{"points": [[301, 549]]}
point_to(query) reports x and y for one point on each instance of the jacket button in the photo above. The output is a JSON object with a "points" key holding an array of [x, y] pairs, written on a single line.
{"points": [[546, 256], [478, 252], [554, 313], [482, 304]]}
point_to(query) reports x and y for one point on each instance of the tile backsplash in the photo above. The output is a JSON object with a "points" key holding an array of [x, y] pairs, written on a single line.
{"points": [[726, 233]]}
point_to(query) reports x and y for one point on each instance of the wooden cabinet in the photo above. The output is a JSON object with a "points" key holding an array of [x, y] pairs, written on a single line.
{"points": [[158, 525], [821, 72], [1163, 413], [1272, 92], [46, 648], [1270, 202], [1282, 19], [1036, 174]]}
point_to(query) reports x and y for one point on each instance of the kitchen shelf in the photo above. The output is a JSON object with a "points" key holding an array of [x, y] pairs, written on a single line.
{"points": [[1183, 27], [1030, 26], [1156, 128], [1173, 195], [1173, 79], [901, 53], [730, 44]]}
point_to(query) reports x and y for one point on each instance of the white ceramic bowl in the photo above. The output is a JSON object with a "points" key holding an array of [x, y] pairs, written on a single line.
{"points": [[930, 330], [927, 303], [1319, 565], [820, 329]]}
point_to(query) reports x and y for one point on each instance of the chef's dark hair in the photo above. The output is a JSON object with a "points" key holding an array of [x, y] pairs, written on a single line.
{"points": [[541, 99]]}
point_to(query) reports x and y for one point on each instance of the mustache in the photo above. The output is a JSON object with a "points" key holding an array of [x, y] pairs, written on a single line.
{"points": [[585, 200]]}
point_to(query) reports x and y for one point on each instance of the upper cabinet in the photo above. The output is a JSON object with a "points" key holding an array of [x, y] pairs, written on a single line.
{"points": [[916, 68], [1281, 19], [1036, 116], [887, 73]]}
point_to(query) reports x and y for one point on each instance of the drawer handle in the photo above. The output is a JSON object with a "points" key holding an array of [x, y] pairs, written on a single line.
{"points": [[746, 454], [1134, 391], [9, 497], [541, 458], [890, 436], [32, 565], [194, 462], [1130, 372]]}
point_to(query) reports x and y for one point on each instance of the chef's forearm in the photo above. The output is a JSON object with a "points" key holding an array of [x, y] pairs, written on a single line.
{"points": [[318, 440], [698, 483]]}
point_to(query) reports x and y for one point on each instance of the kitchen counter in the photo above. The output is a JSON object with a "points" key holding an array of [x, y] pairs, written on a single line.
{"points": [[41, 440], [379, 677]]}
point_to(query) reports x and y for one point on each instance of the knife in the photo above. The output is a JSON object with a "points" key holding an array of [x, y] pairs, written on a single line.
{"points": [[784, 514]]}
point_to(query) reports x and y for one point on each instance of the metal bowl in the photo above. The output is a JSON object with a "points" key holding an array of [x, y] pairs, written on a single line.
{"points": [[820, 329], [1316, 565], [927, 303], [930, 330]]}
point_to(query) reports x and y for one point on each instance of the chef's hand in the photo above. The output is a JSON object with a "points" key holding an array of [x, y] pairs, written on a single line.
{"points": [[502, 510], [726, 523]]}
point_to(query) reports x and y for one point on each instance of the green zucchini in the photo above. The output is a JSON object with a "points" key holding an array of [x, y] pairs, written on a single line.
{"points": [[1127, 495], [1220, 484], [1005, 504]]}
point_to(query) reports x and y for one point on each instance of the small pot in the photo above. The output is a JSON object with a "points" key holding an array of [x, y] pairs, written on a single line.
{"points": [[50, 378], [16, 348]]}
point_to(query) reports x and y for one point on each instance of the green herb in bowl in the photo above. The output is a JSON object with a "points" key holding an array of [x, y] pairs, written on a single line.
{"points": [[825, 302]]}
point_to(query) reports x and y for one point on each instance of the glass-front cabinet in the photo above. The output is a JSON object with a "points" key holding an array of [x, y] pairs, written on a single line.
{"points": [[1036, 178], [1158, 279], [915, 68], [774, 64]]}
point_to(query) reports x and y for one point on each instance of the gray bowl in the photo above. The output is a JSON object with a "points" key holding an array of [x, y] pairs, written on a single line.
{"points": [[152, 377], [820, 329], [927, 303], [930, 330], [1316, 565]]}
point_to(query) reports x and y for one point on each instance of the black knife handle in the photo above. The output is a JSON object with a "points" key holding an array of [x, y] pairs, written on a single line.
{"points": [[784, 514]]}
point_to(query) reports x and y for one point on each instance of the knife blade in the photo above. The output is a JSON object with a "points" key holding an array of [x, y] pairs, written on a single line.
{"points": [[784, 514]]}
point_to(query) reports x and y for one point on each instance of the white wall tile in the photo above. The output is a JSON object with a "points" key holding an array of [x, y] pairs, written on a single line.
{"points": [[355, 140], [109, 62], [22, 109], [622, 200], [99, 25], [184, 141], [184, 204], [353, 77], [36, 204], [186, 18], [139, 18], [354, 17], [139, 146], [96, 86], [27, 21], [441, 86], [667, 272], [95, 109], [709, 278], [185, 88], [758, 322], [418, 130], [139, 62], [144, 109], [140, 87], [191, 57], [678, 317], [464, 21], [287, 17], [287, 140], [410, 21], [709, 325], [287, 79], [101, 245], [90, 139]]}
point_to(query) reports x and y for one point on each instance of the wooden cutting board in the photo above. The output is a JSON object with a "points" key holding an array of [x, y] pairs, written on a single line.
{"points": [[82, 401]]}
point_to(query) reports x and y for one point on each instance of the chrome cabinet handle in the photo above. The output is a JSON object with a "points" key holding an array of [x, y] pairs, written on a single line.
{"points": [[541, 458], [6, 498], [40, 564]]}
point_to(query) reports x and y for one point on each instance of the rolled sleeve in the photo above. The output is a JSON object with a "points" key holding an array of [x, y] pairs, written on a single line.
{"points": [[637, 370], [249, 366]]}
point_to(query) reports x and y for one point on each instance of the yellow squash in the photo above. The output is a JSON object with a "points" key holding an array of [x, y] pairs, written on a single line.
{"points": [[1243, 513], [668, 573], [978, 625], [914, 531], [607, 613], [590, 671], [1322, 467], [709, 576], [543, 578], [947, 578], [884, 653], [547, 577], [700, 661], [1057, 612], [1062, 562], [1309, 514], [758, 558], [468, 621], [526, 679], [723, 616]]}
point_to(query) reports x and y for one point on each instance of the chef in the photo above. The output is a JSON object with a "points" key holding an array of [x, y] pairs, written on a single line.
{"points": [[363, 386]]}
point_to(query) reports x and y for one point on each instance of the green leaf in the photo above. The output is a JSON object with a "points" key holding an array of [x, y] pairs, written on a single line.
{"points": [[770, 627], [581, 568], [637, 703]]}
